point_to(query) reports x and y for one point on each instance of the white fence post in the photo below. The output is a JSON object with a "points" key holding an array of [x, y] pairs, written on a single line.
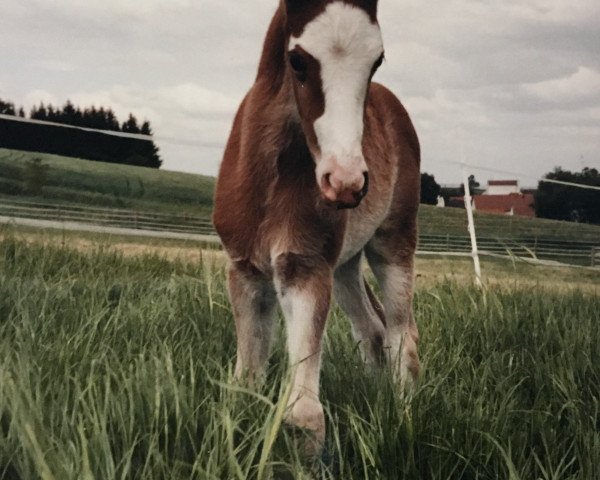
{"points": [[469, 207]]}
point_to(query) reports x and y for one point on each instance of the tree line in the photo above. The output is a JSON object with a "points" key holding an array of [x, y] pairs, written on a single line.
{"points": [[79, 143], [551, 200], [564, 202]]}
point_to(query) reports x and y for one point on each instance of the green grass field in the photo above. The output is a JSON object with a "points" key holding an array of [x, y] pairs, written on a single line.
{"points": [[84, 182], [118, 365]]}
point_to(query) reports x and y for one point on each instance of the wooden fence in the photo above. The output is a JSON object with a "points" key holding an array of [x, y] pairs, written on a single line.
{"points": [[536, 247]]}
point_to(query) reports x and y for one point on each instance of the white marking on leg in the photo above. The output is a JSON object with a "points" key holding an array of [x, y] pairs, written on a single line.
{"points": [[304, 346]]}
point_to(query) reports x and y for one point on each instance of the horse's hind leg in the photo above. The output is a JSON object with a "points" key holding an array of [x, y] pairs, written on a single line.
{"points": [[356, 299], [391, 259], [254, 301]]}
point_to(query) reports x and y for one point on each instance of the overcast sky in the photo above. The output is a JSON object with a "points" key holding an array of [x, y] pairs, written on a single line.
{"points": [[506, 84]]}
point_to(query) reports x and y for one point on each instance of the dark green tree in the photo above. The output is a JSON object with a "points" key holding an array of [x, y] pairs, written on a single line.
{"points": [[131, 125], [80, 144], [39, 113], [69, 114], [430, 189], [473, 185], [7, 108], [146, 130], [564, 202], [111, 121], [52, 115]]}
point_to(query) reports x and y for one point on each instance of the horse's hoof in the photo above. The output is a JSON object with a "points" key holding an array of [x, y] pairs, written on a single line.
{"points": [[306, 414], [405, 362]]}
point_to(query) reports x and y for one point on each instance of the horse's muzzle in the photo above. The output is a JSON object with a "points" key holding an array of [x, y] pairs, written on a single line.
{"points": [[351, 199]]}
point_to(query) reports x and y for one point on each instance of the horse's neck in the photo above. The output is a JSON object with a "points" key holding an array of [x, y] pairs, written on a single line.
{"points": [[274, 114], [277, 135]]}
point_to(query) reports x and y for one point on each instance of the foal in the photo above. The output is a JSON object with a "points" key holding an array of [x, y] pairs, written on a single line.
{"points": [[321, 166]]}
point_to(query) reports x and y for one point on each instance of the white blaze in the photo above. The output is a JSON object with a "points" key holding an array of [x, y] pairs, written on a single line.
{"points": [[346, 43]]}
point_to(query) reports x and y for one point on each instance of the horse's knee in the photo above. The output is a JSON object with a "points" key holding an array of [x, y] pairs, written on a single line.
{"points": [[300, 272]]}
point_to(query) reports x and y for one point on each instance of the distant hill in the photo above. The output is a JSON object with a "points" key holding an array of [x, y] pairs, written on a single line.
{"points": [[102, 184]]}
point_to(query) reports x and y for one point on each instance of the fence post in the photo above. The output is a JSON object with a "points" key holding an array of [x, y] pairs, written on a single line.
{"points": [[469, 207]]}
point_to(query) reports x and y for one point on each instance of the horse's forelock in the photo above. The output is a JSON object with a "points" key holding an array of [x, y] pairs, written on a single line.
{"points": [[301, 12]]}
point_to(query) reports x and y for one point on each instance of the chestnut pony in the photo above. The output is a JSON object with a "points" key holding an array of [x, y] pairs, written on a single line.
{"points": [[322, 165]]}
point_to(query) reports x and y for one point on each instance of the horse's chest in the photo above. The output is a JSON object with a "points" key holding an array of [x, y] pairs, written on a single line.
{"points": [[283, 228], [363, 222]]}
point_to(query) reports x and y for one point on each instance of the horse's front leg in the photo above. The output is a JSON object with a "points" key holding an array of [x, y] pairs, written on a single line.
{"points": [[304, 286], [253, 300]]}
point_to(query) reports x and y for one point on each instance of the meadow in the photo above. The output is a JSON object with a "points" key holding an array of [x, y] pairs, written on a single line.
{"points": [[74, 181], [116, 363], [99, 184]]}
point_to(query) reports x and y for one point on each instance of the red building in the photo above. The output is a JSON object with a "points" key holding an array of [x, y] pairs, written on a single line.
{"points": [[512, 204], [503, 197]]}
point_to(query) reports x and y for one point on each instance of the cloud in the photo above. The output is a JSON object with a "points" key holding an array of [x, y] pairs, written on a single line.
{"points": [[188, 112], [134, 8], [195, 99], [584, 84], [35, 97], [190, 122], [56, 65], [512, 82], [563, 12]]}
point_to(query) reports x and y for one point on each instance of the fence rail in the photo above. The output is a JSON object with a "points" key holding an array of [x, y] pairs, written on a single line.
{"points": [[109, 217], [505, 243]]}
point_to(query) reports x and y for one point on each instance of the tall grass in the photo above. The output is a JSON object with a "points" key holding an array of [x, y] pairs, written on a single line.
{"points": [[115, 367]]}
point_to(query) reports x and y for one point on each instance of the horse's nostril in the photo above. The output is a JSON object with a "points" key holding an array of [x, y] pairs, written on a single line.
{"points": [[327, 180], [365, 188]]}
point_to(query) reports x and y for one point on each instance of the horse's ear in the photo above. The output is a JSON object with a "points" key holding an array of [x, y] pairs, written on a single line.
{"points": [[371, 4], [295, 6], [292, 5], [370, 7]]}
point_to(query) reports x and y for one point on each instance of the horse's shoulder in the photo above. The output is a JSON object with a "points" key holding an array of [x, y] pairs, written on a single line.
{"points": [[387, 102], [390, 110]]}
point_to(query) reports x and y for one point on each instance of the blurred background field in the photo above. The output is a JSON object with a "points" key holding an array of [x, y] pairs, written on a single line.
{"points": [[142, 198]]}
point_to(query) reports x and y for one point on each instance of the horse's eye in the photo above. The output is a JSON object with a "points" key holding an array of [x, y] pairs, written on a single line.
{"points": [[298, 64]]}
